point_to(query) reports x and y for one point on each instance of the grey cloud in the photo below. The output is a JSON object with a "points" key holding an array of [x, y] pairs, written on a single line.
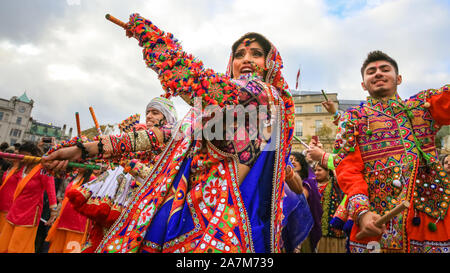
{"points": [[22, 21]]}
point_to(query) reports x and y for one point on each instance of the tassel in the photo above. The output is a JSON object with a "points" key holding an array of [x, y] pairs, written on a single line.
{"points": [[341, 214], [416, 220], [348, 227], [432, 227], [337, 223], [76, 197], [103, 210], [114, 213]]}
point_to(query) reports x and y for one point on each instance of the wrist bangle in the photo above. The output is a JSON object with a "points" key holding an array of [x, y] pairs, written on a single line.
{"points": [[336, 118], [84, 152], [358, 218], [100, 147], [322, 160]]}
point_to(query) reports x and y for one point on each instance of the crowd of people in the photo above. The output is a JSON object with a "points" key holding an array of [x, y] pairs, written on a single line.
{"points": [[165, 188]]}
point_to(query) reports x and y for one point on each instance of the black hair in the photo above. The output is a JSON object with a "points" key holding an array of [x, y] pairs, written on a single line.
{"points": [[31, 148], [443, 158], [378, 55], [330, 172], [304, 172], [4, 146]]}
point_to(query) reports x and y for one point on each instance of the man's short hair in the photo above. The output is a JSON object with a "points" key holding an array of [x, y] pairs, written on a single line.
{"points": [[378, 55]]}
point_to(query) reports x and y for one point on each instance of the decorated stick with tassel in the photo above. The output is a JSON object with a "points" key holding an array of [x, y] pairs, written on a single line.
{"points": [[35, 159], [99, 131]]}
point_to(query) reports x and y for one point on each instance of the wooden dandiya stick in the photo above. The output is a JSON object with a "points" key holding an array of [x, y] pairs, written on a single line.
{"points": [[388, 216], [35, 159], [392, 213], [116, 21], [77, 117], [99, 131]]}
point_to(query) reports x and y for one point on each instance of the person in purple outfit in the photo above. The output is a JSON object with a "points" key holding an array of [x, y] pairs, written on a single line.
{"points": [[311, 192]]}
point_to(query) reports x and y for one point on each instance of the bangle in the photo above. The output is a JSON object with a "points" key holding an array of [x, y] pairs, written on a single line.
{"points": [[336, 113], [100, 147], [84, 152], [358, 218], [323, 157], [337, 117]]}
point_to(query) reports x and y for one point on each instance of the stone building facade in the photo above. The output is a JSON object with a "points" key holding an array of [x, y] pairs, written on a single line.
{"points": [[17, 124], [312, 119], [15, 118]]}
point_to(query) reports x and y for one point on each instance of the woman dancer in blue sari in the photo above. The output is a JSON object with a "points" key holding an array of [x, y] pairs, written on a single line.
{"points": [[218, 195]]}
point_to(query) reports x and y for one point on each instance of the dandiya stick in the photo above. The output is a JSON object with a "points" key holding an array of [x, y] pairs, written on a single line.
{"points": [[389, 215], [35, 159], [77, 117], [116, 21], [95, 121], [392, 213], [324, 95], [301, 141]]}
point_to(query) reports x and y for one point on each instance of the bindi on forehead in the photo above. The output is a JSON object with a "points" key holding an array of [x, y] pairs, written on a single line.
{"points": [[248, 41]]}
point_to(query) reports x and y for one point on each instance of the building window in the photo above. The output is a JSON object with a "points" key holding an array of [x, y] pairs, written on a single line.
{"points": [[299, 128], [298, 109], [1, 115], [318, 108], [19, 120], [318, 126], [15, 132]]}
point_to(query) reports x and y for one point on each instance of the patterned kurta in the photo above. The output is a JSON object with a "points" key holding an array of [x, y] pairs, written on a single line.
{"points": [[385, 154]]}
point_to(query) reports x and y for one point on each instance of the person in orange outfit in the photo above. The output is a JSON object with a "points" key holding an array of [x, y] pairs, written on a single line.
{"points": [[385, 155], [68, 232], [19, 231], [9, 183]]}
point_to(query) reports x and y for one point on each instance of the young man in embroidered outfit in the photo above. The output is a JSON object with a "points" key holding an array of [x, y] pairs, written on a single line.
{"points": [[385, 154]]}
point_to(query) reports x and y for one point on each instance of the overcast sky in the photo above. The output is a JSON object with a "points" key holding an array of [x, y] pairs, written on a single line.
{"points": [[67, 57]]}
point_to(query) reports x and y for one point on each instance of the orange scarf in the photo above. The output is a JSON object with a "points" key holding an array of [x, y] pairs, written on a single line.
{"points": [[8, 175], [24, 181]]}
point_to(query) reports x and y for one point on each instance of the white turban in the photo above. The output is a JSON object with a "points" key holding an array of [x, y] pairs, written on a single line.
{"points": [[166, 107]]}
